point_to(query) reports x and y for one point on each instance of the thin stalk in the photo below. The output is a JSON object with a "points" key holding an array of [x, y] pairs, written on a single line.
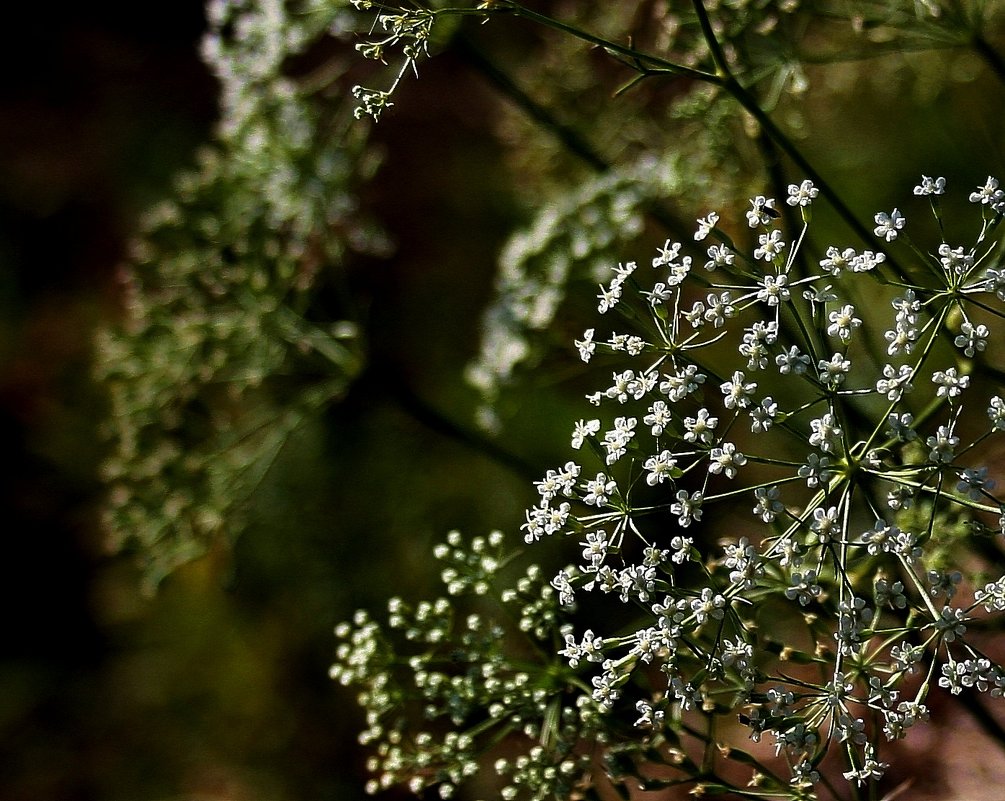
{"points": [[731, 85], [639, 58]]}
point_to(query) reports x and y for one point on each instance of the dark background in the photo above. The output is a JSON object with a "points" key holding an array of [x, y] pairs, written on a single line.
{"points": [[217, 687]]}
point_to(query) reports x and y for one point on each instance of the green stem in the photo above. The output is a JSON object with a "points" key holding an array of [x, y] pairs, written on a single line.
{"points": [[731, 85], [637, 57]]}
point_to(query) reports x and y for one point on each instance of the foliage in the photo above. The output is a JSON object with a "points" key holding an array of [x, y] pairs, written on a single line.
{"points": [[783, 503], [762, 377], [219, 355]]}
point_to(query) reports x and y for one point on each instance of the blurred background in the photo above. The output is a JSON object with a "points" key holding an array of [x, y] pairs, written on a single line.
{"points": [[216, 686]]}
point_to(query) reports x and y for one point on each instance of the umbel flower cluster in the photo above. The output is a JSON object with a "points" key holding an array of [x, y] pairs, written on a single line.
{"points": [[783, 505], [213, 365]]}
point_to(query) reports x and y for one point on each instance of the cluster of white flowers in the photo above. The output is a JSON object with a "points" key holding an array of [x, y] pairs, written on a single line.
{"points": [[470, 669], [216, 289], [859, 466]]}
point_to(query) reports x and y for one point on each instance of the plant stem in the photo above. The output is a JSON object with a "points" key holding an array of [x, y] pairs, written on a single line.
{"points": [[733, 87]]}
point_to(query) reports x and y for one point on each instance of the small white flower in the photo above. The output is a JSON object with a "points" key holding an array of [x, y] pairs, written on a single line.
{"points": [[737, 393], [762, 416], [816, 470], [705, 226], [719, 256], [701, 428], [762, 211], [802, 195], [996, 411], [888, 225], [583, 430], [587, 347], [930, 186], [949, 384], [943, 445], [842, 322], [989, 194], [792, 361], [667, 254], [837, 260], [767, 507], [771, 245], [725, 460], [687, 507], [826, 433], [833, 372], [660, 468], [599, 490], [720, 308], [896, 381], [773, 289], [975, 482], [955, 261], [608, 297], [972, 339]]}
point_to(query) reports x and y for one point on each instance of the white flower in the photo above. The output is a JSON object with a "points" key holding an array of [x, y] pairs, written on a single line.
{"points": [[837, 260], [768, 507], [816, 470], [792, 361], [719, 256], [660, 468], [955, 261], [842, 322], [896, 382], [826, 433], [587, 347], [667, 254], [701, 428], [826, 523], [608, 297], [737, 393], [725, 460], [771, 245], [972, 339], [943, 445], [866, 261], [901, 428], [949, 384], [989, 194], [762, 211], [929, 186], [616, 440], [687, 507], [595, 548], [583, 430], [802, 195], [762, 416], [681, 384], [599, 490], [659, 417], [720, 309], [705, 226], [773, 289], [887, 225], [833, 372], [975, 482], [996, 411]]}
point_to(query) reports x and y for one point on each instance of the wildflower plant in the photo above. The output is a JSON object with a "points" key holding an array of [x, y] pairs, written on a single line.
{"points": [[221, 354], [859, 463], [782, 495], [779, 519], [842, 451]]}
